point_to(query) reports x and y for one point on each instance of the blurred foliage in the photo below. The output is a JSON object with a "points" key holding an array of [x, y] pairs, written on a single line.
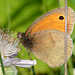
{"points": [[18, 15]]}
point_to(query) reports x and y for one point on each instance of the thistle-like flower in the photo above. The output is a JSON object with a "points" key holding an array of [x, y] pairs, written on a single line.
{"points": [[8, 44]]}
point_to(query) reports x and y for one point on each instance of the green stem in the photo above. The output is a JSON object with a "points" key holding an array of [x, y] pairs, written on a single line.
{"points": [[70, 65], [33, 70], [2, 65], [44, 6], [61, 3]]}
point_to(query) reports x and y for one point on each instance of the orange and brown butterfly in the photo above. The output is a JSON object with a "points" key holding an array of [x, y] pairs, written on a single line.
{"points": [[45, 36]]}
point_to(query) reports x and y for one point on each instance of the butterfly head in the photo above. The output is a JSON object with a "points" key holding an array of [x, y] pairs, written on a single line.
{"points": [[26, 41]]}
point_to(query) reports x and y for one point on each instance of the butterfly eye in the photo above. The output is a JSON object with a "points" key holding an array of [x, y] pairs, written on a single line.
{"points": [[61, 17]]}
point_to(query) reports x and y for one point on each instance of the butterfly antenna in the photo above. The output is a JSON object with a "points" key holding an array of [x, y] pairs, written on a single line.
{"points": [[29, 55], [22, 54], [65, 37]]}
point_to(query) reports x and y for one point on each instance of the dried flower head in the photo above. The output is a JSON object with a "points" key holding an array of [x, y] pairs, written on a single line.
{"points": [[8, 44]]}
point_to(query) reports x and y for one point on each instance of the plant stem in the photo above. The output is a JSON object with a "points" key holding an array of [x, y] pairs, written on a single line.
{"points": [[44, 6], [61, 3], [2, 65], [33, 70]]}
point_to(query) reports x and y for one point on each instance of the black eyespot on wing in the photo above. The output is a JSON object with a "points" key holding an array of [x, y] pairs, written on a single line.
{"points": [[61, 17]]}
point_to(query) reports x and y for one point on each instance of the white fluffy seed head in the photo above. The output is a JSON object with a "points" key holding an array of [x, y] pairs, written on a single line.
{"points": [[8, 44]]}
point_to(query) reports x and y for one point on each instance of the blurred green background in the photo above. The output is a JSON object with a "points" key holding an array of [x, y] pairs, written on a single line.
{"points": [[18, 15]]}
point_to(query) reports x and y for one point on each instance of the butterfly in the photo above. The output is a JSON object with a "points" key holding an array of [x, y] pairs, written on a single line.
{"points": [[45, 36]]}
